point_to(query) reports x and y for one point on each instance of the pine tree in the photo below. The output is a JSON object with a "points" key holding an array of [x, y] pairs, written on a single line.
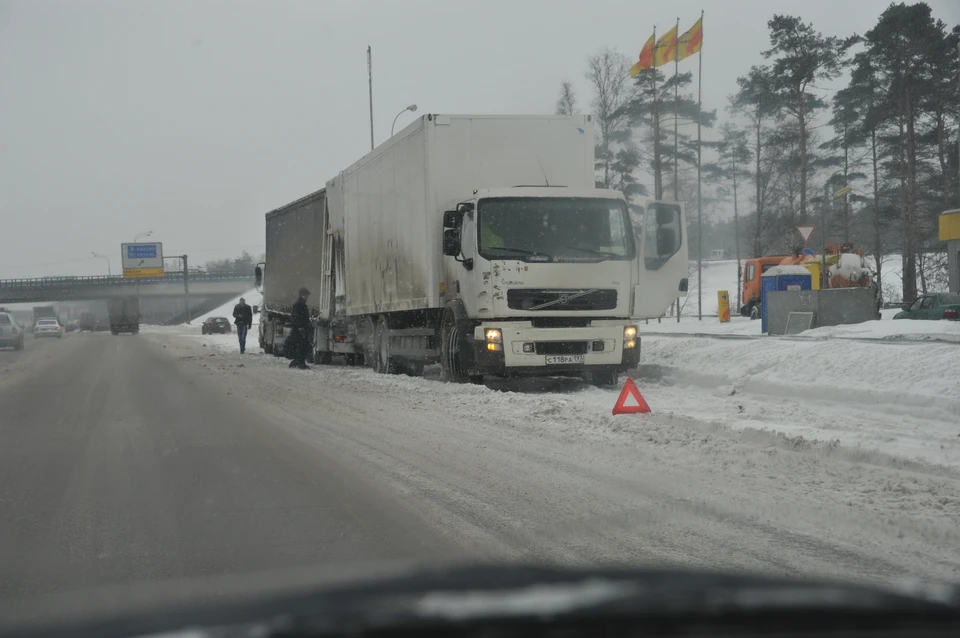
{"points": [[757, 101], [802, 57]]}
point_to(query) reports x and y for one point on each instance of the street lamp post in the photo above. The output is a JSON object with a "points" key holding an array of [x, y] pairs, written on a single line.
{"points": [[105, 258], [139, 235], [412, 108]]}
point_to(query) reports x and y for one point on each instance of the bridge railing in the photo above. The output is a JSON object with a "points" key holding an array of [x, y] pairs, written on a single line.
{"points": [[59, 283]]}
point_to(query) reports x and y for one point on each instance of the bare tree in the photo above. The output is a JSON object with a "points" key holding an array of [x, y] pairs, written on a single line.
{"points": [[608, 72], [567, 102]]}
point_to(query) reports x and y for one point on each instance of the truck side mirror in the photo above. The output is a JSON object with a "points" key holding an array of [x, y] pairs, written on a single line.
{"points": [[452, 218], [258, 276], [256, 310], [451, 242]]}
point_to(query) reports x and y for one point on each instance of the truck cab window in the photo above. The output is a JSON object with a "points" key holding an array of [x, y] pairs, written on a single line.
{"points": [[554, 229], [662, 237]]}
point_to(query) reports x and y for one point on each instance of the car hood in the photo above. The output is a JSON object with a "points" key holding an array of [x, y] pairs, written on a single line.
{"points": [[394, 595]]}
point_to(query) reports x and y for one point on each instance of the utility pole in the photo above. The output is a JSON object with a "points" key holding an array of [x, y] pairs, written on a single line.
{"points": [[186, 288], [370, 82]]}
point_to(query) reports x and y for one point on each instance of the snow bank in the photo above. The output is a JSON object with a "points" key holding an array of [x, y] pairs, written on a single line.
{"points": [[888, 397], [887, 329]]}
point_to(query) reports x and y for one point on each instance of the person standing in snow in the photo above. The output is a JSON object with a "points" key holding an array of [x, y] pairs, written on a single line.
{"points": [[243, 318], [298, 343]]}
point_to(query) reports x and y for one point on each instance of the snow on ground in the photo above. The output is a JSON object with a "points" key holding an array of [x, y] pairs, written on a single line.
{"points": [[253, 297], [890, 397], [775, 455]]}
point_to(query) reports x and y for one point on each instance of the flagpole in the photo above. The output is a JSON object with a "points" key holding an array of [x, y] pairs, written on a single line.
{"points": [[699, 192], [656, 122], [676, 107]]}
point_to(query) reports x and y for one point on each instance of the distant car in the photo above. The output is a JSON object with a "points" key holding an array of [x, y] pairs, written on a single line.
{"points": [[216, 325], [933, 305], [48, 328], [11, 332]]}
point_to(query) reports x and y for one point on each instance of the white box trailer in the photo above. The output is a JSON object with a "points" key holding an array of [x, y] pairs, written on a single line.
{"points": [[479, 242]]}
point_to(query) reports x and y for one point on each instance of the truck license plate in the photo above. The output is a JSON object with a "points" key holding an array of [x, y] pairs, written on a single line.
{"points": [[564, 358]]}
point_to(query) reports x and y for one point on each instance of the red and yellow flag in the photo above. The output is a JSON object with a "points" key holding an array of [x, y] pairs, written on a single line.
{"points": [[691, 40], [646, 59], [666, 50]]}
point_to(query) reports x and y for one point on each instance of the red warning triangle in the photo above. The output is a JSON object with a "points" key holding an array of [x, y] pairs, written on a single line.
{"points": [[630, 390]]}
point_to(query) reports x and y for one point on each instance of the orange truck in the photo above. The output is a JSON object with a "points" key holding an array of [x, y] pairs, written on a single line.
{"points": [[844, 267], [750, 294]]}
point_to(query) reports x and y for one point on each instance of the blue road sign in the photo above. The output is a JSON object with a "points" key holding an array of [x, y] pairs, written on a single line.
{"points": [[141, 251]]}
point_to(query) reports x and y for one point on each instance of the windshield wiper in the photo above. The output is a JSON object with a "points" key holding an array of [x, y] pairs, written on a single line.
{"points": [[599, 253], [519, 251]]}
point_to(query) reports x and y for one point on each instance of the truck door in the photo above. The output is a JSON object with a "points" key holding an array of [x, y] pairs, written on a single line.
{"points": [[662, 260], [471, 282]]}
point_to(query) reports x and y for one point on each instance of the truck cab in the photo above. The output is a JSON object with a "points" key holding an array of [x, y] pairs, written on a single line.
{"points": [[551, 280]]}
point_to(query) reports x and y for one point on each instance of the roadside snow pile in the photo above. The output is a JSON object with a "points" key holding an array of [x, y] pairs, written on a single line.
{"points": [[889, 397], [253, 298], [900, 330]]}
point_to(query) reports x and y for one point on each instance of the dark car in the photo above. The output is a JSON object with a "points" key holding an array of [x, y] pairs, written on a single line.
{"points": [[216, 325], [933, 305]]}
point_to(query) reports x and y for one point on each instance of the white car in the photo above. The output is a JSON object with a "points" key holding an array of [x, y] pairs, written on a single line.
{"points": [[48, 328]]}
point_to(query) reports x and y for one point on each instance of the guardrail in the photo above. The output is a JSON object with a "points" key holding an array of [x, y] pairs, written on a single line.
{"points": [[60, 283]]}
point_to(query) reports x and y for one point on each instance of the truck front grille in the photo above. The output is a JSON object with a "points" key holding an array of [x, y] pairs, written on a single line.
{"points": [[561, 299], [561, 347]]}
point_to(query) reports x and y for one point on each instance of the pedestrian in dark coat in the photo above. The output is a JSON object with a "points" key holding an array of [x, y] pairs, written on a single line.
{"points": [[298, 344], [243, 317]]}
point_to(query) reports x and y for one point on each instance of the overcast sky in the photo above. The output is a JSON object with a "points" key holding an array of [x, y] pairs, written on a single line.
{"points": [[192, 118]]}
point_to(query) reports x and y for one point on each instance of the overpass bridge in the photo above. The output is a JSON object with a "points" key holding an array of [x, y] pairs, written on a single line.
{"points": [[49, 289]]}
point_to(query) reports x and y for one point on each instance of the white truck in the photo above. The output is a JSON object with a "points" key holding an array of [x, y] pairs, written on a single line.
{"points": [[480, 243]]}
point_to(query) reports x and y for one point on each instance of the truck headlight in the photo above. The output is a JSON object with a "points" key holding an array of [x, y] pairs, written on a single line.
{"points": [[629, 333], [494, 336]]}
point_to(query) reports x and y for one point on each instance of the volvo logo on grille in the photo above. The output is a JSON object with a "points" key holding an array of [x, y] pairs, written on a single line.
{"points": [[563, 299]]}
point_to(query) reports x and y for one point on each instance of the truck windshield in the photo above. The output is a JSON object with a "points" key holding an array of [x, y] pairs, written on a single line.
{"points": [[559, 229]]}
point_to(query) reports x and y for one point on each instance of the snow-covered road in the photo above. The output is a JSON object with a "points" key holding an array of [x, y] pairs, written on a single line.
{"points": [[815, 457]]}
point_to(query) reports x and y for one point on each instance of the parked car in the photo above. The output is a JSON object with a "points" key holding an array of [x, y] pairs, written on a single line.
{"points": [[48, 328], [933, 305], [216, 325], [11, 332]]}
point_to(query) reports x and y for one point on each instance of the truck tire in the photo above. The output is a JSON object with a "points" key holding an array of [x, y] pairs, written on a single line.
{"points": [[366, 333], [451, 369], [323, 358], [383, 362]]}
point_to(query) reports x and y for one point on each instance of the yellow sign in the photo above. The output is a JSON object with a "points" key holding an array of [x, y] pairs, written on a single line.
{"points": [[950, 225], [136, 273], [723, 306], [843, 191]]}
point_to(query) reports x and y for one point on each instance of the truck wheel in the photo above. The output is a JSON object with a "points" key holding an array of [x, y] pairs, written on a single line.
{"points": [[323, 358], [366, 333], [603, 378], [451, 370], [383, 362]]}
